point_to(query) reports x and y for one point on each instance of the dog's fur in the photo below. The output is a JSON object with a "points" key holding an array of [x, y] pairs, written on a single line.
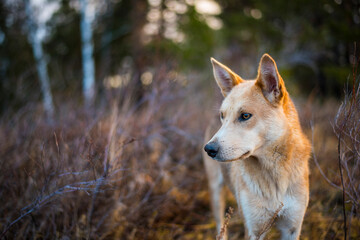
{"points": [[264, 159]]}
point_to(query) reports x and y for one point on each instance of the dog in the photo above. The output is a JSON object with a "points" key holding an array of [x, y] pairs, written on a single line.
{"points": [[261, 153]]}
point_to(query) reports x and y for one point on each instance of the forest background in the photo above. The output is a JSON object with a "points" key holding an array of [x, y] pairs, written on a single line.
{"points": [[104, 105]]}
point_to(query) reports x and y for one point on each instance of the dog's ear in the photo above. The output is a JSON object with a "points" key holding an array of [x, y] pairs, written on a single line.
{"points": [[225, 78], [269, 80]]}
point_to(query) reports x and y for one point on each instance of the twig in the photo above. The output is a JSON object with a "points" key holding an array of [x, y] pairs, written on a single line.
{"points": [[317, 163], [340, 136], [226, 223], [106, 163], [343, 186], [270, 222], [43, 200], [15, 221]]}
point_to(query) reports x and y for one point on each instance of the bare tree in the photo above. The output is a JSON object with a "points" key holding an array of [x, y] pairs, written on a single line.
{"points": [[87, 17], [36, 32]]}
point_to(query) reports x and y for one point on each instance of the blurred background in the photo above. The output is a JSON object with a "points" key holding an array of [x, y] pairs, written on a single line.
{"points": [[104, 105], [313, 43]]}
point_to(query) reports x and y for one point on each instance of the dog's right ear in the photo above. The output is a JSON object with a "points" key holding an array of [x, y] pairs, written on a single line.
{"points": [[225, 78]]}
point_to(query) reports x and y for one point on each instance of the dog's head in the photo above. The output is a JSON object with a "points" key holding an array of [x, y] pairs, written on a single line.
{"points": [[252, 112]]}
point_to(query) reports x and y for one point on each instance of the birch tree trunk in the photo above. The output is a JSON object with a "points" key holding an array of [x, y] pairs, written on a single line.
{"points": [[36, 43], [87, 17]]}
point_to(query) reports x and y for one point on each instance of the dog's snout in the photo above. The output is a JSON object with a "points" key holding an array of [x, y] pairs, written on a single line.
{"points": [[212, 149]]}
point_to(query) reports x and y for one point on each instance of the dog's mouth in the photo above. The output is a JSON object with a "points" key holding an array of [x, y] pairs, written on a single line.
{"points": [[245, 155]]}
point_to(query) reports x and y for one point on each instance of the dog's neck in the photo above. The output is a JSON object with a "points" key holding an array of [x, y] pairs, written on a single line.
{"points": [[267, 173]]}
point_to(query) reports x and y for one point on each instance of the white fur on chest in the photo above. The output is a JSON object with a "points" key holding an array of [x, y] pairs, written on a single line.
{"points": [[249, 194], [261, 185]]}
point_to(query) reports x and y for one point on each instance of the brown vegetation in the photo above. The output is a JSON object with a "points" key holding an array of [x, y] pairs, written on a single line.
{"points": [[126, 170]]}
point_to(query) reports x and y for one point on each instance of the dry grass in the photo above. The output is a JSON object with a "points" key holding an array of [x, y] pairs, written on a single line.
{"points": [[134, 171], [223, 230]]}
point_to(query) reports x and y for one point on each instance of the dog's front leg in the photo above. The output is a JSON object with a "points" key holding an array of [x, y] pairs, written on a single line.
{"points": [[216, 186], [291, 220], [290, 229], [218, 204], [255, 215]]}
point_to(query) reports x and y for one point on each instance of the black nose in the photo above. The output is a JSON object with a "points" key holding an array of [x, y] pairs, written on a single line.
{"points": [[212, 149]]}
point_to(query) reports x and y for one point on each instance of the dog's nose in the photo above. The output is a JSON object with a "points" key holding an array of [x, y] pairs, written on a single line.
{"points": [[212, 149]]}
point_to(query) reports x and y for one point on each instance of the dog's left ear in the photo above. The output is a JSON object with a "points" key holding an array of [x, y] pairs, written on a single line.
{"points": [[269, 80]]}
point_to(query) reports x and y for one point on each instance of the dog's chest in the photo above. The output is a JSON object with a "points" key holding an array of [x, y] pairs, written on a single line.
{"points": [[257, 181]]}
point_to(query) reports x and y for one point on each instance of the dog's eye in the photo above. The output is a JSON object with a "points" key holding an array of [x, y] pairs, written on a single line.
{"points": [[221, 115], [245, 116]]}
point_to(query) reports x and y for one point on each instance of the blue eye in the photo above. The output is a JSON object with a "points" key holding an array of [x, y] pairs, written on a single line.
{"points": [[245, 116], [222, 115]]}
